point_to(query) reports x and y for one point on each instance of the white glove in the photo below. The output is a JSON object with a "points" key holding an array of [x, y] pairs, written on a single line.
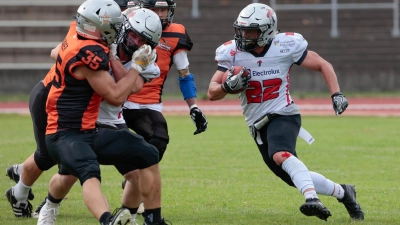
{"points": [[142, 58], [113, 52]]}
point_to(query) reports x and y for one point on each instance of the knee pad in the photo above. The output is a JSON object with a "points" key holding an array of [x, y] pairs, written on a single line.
{"points": [[160, 144], [91, 171]]}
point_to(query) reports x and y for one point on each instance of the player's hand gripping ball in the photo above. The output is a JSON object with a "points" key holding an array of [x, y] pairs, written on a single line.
{"points": [[235, 80]]}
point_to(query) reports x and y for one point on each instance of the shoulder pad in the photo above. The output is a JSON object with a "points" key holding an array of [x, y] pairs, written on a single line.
{"points": [[94, 57], [226, 52]]}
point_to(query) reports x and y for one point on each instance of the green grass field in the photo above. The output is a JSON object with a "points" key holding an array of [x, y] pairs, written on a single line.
{"points": [[218, 177]]}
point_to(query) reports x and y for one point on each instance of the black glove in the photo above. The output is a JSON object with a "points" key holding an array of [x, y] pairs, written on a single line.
{"points": [[199, 119], [340, 102], [235, 82]]}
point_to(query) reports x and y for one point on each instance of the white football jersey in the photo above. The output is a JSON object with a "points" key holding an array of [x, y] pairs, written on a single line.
{"points": [[113, 114], [269, 86]]}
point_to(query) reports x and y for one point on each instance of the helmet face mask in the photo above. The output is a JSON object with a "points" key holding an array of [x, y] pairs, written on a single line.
{"points": [[168, 4], [142, 27], [99, 20], [255, 17]]}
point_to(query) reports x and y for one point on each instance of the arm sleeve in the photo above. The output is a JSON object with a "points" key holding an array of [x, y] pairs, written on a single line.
{"points": [[181, 60]]}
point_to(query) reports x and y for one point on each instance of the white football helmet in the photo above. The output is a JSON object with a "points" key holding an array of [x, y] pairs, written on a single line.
{"points": [[146, 24], [99, 20], [258, 17]]}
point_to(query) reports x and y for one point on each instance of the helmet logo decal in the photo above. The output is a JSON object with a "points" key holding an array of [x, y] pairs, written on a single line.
{"points": [[245, 23], [131, 14], [269, 13], [161, 4], [106, 19], [89, 27]]}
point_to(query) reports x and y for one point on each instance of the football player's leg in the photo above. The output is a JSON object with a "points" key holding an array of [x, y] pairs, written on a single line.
{"points": [[345, 193], [138, 154], [281, 147]]}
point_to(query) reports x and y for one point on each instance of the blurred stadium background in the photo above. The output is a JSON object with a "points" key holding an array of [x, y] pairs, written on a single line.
{"points": [[360, 38]]}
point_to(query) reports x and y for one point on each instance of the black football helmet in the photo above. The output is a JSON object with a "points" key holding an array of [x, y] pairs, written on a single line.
{"points": [[123, 4], [170, 4]]}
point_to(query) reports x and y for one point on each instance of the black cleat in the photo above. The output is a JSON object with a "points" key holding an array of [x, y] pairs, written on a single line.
{"points": [[123, 184], [162, 222], [350, 202], [11, 172], [314, 207], [37, 210], [20, 208]]}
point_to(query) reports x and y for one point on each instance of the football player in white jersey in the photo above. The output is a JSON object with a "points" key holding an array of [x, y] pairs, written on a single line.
{"points": [[272, 116]]}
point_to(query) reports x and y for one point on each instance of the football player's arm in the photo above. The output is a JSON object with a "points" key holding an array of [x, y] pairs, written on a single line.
{"points": [[102, 83], [119, 71], [315, 62], [54, 52], [215, 91], [189, 92], [185, 79]]}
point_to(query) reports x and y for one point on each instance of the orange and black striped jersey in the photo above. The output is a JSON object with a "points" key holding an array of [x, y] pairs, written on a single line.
{"points": [[173, 40], [72, 103], [51, 75]]}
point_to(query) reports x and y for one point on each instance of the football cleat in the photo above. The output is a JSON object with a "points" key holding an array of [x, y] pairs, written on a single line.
{"points": [[120, 216], [314, 207], [11, 172], [123, 184], [48, 215], [20, 208], [37, 210], [350, 202], [141, 208], [162, 222]]}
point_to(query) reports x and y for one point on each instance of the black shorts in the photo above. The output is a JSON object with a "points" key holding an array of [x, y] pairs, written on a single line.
{"points": [[37, 108], [279, 135], [82, 152], [147, 123]]}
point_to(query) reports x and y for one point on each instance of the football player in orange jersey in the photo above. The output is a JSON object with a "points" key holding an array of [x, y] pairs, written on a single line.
{"points": [[143, 111], [84, 81]]}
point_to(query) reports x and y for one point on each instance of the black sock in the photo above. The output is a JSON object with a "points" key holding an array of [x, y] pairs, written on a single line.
{"points": [[131, 210], [105, 218], [153, 215], [52, 199]]}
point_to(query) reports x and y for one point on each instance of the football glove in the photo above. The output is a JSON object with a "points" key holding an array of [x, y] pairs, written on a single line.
{"points": [[340, 102], [235, 82], [143, 57], [113, 52], [199, 119]]}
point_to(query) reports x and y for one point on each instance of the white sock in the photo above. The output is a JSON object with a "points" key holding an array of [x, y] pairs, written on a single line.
{"points": [[19, 169], [21, 191], [134, 216], [300, 175], [325, 186], [52, 204]]}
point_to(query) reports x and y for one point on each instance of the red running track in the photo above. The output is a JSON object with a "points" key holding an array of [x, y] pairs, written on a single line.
{"points": [[309, 106]]}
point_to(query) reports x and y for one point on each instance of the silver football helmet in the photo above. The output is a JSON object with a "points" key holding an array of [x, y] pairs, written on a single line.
{"points": [[146, 24], [259, 17], [99, 20]]}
